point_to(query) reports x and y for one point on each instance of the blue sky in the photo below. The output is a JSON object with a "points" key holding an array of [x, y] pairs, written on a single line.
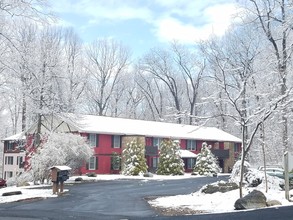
{"points": [[144, 24]]}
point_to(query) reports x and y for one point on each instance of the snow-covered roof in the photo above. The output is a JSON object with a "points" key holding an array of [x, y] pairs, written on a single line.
{"points": [[187, 154], [60, 167], [122, 126], [18, 136]]}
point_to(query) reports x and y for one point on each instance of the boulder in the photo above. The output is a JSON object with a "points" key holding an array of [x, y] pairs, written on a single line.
{"points": [[255, 199], [273, 203], [12, 193], [78, 179], [219, 187], [148, 174]]}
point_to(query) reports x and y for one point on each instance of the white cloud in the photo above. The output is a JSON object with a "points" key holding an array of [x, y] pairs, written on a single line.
{"points": [[98, 11], [186, 21], [169, 29], [217, 20]]}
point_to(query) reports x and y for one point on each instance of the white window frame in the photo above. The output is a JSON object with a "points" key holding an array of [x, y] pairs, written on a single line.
{"points": [[191, 145], [9, 160], [19, 160], [157, 142], [116, 141], [8, 174], [92, 163], [92, 140], [10, 145], [155, 162]]}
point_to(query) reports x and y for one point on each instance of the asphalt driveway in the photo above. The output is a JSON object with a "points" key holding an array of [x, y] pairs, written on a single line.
{"points": [[115, 199]]}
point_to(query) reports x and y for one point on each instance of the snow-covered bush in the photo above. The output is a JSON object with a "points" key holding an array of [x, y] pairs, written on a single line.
{"points": [[115, 161], [21, 180], [134, 162], [170, 162], [206, 162], [59, 149], [235, 174], [254, 178]]}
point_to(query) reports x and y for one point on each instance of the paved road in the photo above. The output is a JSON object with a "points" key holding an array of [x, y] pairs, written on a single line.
{"points": [[120, 199]]}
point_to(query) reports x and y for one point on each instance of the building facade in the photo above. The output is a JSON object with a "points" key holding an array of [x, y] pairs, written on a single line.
{"points": [[13, 155], [108, 137]]}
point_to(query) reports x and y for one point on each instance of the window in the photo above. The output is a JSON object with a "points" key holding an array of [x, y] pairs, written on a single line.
{"points": [[8, 174], [156, 142], [9, 160], [116, 141], [190, 163], [92, 140], [9, 145], [155, 162], [191, 145], [93, 163], [236, 147], [20, 161]]}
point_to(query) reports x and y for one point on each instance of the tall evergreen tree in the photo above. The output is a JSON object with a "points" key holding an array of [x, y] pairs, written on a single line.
{"points": [[134, 162], [206, 162], [170, 162]]}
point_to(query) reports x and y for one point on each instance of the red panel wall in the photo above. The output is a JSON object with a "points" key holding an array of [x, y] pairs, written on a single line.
{"points": [[183, 144], [148, 141], [221, 145], [104, 152]]}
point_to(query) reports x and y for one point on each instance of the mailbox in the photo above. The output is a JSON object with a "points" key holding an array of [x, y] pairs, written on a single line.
{"points": [[62, 175], [59, 174]]}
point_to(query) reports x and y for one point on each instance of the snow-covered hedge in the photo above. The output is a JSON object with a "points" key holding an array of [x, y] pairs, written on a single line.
{"points": [[254, 178], [170, 162], [206, 163], [134, 162]]}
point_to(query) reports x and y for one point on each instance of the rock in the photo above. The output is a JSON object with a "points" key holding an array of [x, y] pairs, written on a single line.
{"points": [[12, 193], [148, 174], [78, 179], [219, 187], [92, 174], [273, 202], [255, 199]]}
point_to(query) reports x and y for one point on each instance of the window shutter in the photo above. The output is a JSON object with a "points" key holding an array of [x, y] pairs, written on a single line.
{"points": [[97, 161], [112, 144], [97, 140], [87, 165]]}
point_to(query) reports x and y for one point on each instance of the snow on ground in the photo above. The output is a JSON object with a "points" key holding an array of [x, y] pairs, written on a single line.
{"points": [[210, 203], [27, 193]]}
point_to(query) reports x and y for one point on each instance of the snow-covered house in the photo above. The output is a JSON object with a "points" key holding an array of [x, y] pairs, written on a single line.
{"points": [[108, 135], [13, 155]]}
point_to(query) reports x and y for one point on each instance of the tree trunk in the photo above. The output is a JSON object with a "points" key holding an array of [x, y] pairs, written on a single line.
{"points": [[23, 117], [262, 136]]}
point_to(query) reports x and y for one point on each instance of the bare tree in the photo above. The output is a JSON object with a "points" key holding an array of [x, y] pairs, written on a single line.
{"points": [[159, 64], [153, 93], [234, 73], [275, 20], [45, 74], [106, 61], [192, 71], [72, 78], [12, 12]]}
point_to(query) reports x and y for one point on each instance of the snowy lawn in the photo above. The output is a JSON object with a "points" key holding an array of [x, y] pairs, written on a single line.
{"points": [[212, 203], [30, 192], [220, 202]]}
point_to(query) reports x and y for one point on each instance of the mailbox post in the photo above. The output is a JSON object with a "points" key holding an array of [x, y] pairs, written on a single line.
{"points": [[59, 174]]}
